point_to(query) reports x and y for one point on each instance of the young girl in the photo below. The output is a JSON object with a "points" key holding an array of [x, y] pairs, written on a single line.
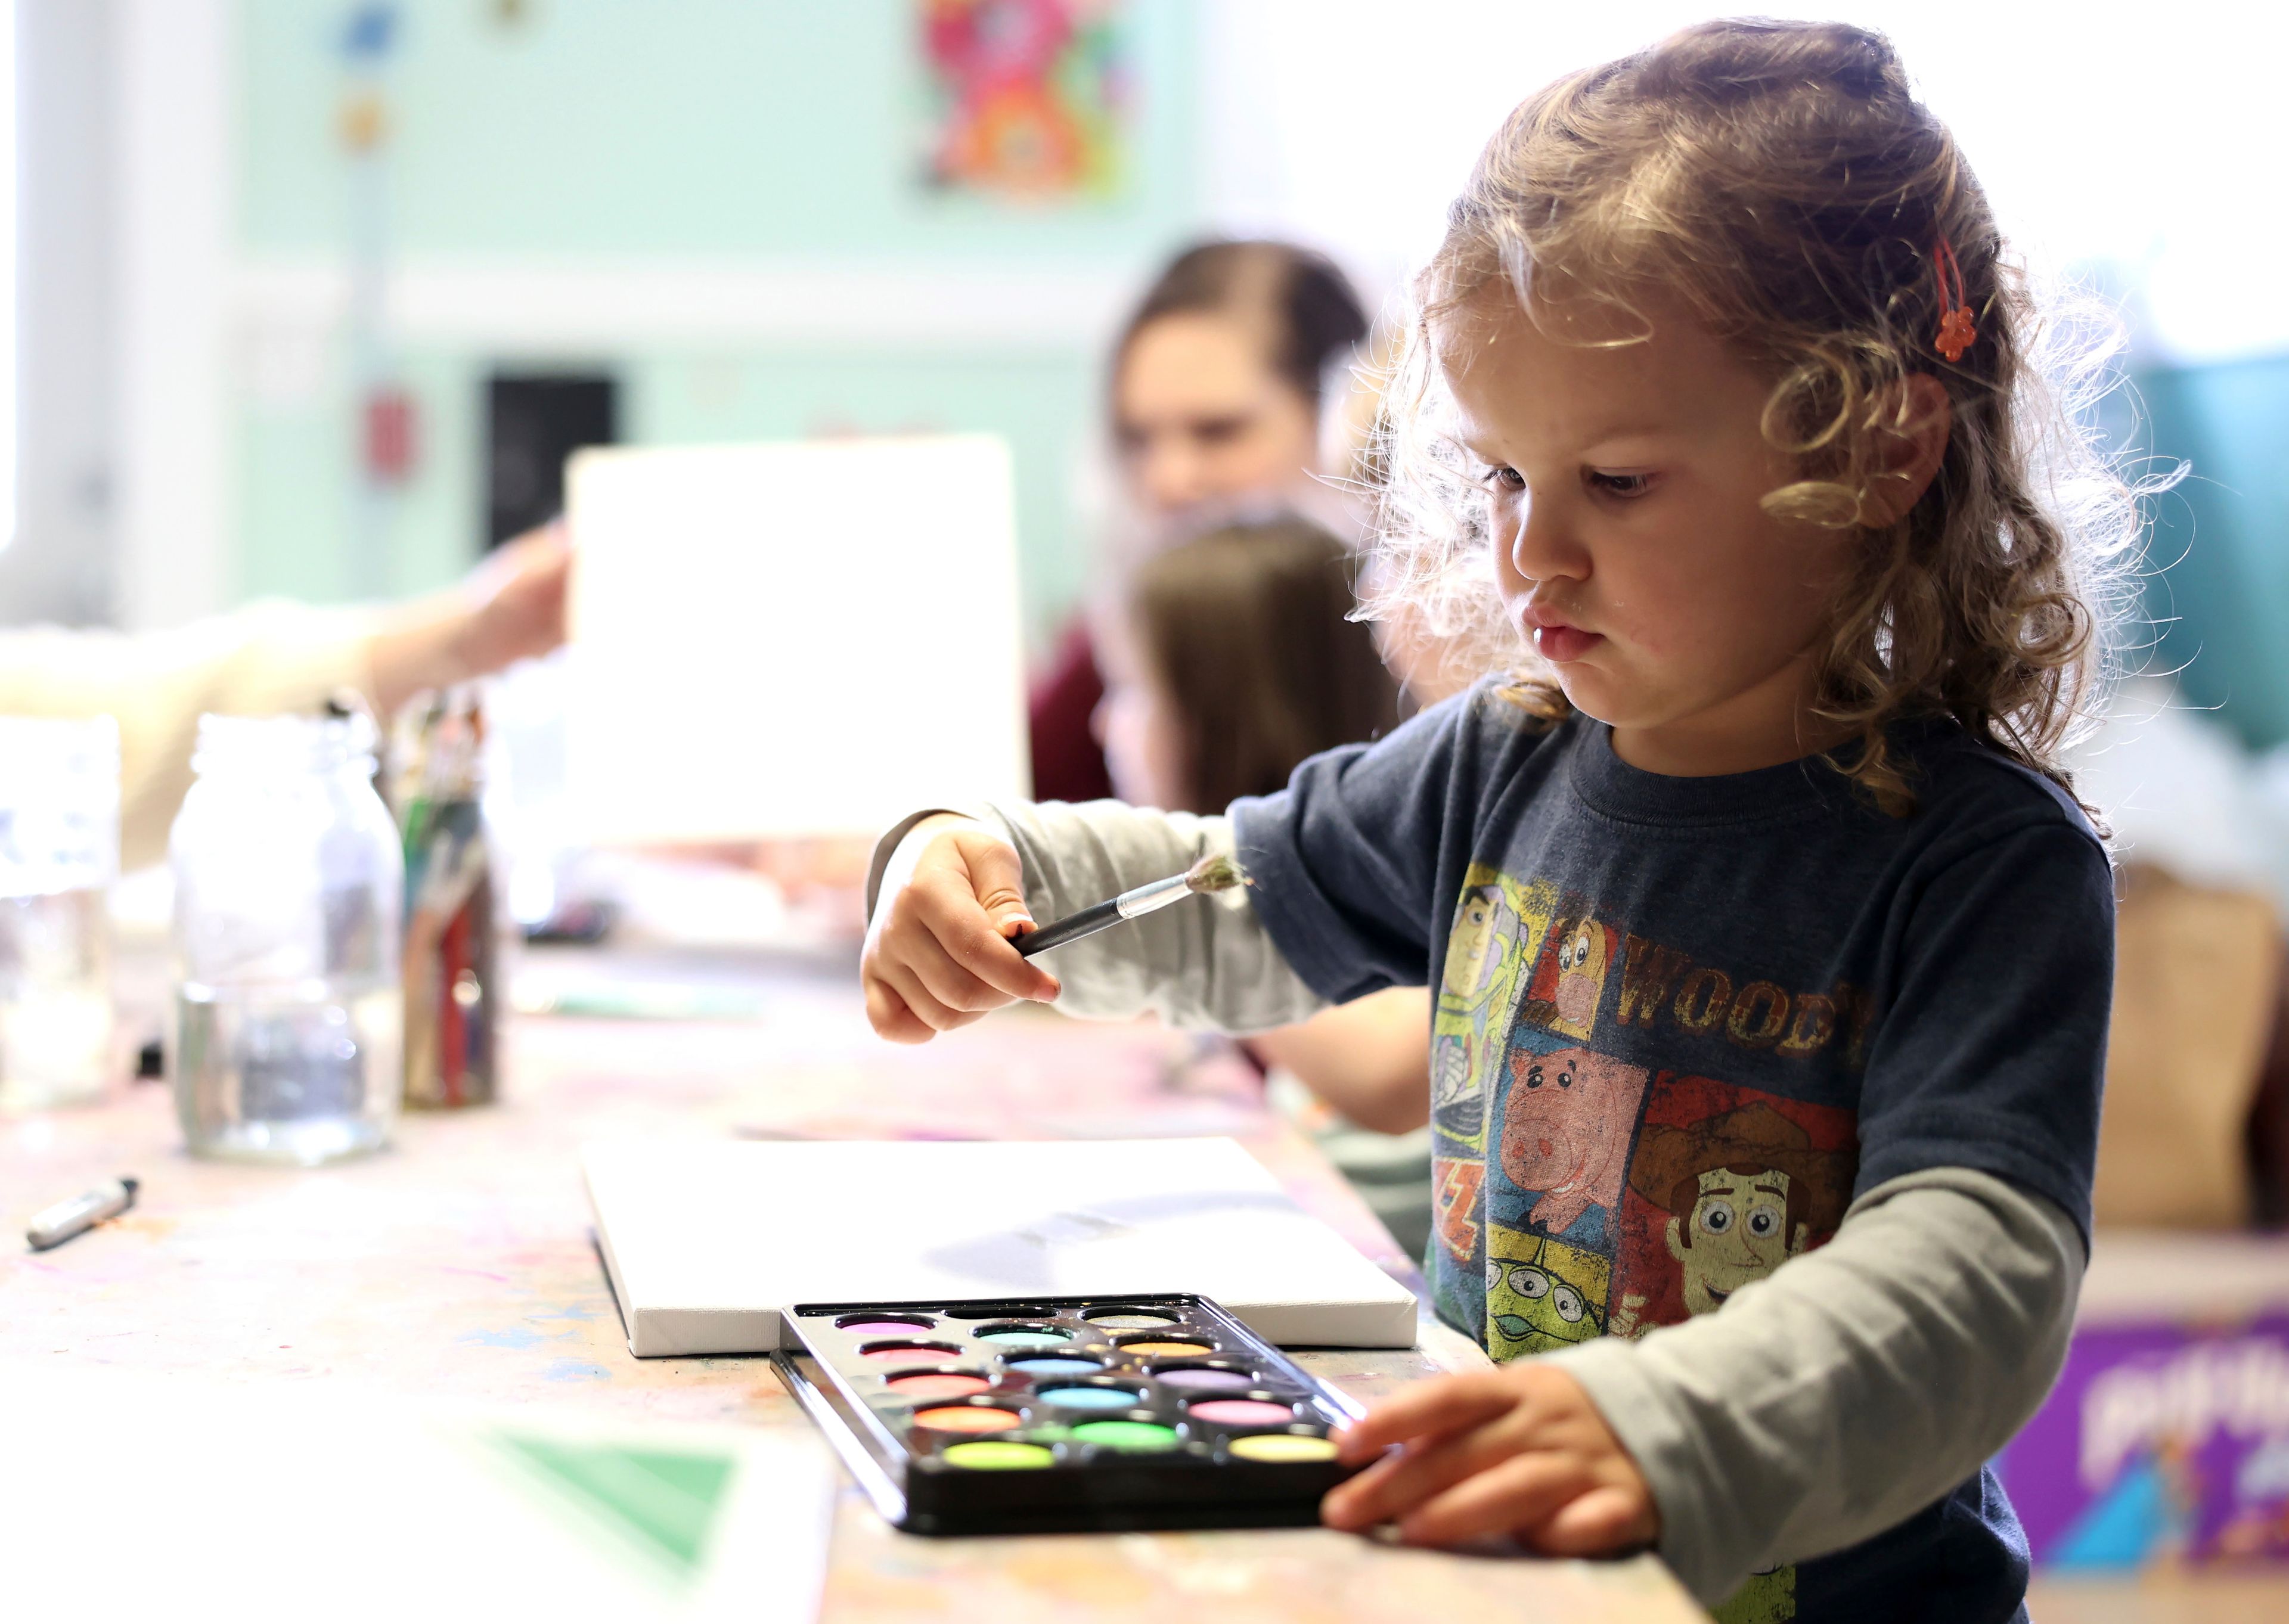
{"points": [[1772, 950]]}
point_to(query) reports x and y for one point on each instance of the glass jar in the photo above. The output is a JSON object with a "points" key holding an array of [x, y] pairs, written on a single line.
{"points": [[290, 1013], [58, 854]]}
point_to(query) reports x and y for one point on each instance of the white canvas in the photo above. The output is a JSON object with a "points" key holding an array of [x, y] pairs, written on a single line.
{"points": [[147, 1497], [791, 640], [707, 1241]]}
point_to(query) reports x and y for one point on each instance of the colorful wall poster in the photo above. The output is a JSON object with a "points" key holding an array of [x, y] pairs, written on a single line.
{"points": [[1028, 99]]}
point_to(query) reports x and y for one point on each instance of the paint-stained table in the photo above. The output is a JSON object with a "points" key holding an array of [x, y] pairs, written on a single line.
{"points": [[459, 1263]]}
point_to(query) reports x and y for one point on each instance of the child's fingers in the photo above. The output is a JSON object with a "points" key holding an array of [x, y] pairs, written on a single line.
{"points": [[1441, 1404], [998, 879], [888, 1015], [945, 979], [1395, 1485], [1518, 1493], [1605, 1519], [925, 1008], [997, 882], [964, 929]]}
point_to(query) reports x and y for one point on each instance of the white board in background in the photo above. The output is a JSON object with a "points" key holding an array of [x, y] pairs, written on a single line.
{"points": [[708, 1240], [806, 639]]}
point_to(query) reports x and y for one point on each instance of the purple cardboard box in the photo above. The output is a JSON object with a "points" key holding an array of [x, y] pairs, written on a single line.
{"points": [[2167, 1439]]}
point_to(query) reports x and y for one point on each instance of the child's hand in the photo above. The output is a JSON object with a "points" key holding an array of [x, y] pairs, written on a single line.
{"points": [[1519, 1450], [937, 954]]}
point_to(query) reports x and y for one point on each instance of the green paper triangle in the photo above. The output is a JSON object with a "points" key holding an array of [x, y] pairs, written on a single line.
{"points": [[666, 1501]]}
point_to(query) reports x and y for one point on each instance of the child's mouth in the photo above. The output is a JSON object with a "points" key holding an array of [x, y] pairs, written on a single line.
{"points": [[1559, 644]]}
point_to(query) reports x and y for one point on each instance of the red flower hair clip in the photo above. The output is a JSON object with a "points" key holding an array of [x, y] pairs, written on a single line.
{"points": [[1955, 332]]}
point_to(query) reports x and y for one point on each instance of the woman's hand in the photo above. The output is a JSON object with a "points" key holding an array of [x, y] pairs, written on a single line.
{"points": [[1519, 1450], [509, 607], [937, 953], [515, 600]]}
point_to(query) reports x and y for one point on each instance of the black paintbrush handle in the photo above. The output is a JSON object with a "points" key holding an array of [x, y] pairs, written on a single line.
{"points": [[1088, 922]]}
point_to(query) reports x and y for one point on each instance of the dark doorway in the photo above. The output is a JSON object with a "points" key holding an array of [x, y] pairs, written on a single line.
{"points": [[532, 423]]}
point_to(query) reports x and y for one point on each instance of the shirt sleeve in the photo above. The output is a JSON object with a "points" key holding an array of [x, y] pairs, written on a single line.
{"points": [[1988, 1049], [1206, 963], [262, 660], [1853, 1387], [1345, 863]]}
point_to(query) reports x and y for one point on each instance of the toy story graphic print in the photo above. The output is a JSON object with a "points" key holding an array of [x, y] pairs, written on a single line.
{"points": [[1542, 1293], [1499, 926], [1581, 1188], [1570, 979], [1726, 1185]]}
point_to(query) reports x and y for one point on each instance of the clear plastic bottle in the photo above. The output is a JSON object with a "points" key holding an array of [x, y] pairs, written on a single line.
{"points": [[289, 881], [58, 853]]}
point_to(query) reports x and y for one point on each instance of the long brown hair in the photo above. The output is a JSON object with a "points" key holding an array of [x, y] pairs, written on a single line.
{"points": [[1299, 303], [1783, 179], [1248, 632]]}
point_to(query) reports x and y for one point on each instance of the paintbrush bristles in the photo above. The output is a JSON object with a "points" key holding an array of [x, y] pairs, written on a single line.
{"points": [[1217, 871]]}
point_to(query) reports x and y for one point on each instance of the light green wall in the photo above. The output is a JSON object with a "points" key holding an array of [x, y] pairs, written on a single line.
{"points": [[2218, 583], [712, 130], [297, 492]]}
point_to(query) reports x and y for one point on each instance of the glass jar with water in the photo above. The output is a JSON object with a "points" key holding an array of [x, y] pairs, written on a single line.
{"points": [[59, 850], [289, 880]]}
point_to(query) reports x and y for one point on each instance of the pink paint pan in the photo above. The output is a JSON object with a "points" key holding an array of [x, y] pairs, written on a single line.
{"points": [[911, 1353], [1240, 1412]]}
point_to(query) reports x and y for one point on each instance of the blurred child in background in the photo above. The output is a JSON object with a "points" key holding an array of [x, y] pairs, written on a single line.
{"points": [[1230, 659]]}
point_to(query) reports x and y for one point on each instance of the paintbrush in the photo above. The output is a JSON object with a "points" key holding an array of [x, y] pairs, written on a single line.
{"points": [[1215, 872]]}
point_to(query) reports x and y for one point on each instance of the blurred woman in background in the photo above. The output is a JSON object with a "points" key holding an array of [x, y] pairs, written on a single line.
{"points": [[1220, 382]]}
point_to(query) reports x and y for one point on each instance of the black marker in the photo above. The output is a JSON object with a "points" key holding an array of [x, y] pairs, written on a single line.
{"points": [[58, 1224]]}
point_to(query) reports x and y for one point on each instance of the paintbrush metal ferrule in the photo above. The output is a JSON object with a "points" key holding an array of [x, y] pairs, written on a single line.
{"points": [[1147, 899]]}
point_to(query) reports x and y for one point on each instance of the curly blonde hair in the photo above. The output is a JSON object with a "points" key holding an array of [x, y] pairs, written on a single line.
{"points": [[1783, 180]]}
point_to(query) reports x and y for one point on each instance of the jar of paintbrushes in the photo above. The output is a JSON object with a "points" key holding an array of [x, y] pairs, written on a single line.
{"points": [[451, 941]]}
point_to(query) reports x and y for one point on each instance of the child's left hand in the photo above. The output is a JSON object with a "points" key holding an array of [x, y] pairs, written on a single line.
{"points": [[1519, 1450]]}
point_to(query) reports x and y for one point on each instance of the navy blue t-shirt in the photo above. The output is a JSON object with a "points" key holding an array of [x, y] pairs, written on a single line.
{"points": [[1682, 1022]]}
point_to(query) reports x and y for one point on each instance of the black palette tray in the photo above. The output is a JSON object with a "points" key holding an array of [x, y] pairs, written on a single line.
{"points": [[1063, 1414]]}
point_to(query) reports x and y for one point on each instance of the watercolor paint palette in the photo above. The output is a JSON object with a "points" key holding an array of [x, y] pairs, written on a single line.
{"points": [[1065, 1414]]}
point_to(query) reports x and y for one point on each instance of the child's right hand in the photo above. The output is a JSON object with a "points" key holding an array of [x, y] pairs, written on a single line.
{"points": [[937, 951]]}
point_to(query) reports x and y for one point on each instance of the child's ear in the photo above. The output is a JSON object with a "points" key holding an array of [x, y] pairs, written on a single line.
{"points": [[1909, 452]]}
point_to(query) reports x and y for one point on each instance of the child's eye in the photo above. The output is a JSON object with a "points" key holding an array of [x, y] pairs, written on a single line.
{"points": [[1622, 485], [1501, 479]]}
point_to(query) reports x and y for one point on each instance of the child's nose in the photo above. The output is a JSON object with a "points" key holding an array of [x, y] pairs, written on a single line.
{"points": [[1543, 547]]}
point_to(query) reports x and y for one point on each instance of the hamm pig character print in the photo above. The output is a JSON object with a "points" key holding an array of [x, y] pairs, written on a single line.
{"points": [[1568, 1119]]}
